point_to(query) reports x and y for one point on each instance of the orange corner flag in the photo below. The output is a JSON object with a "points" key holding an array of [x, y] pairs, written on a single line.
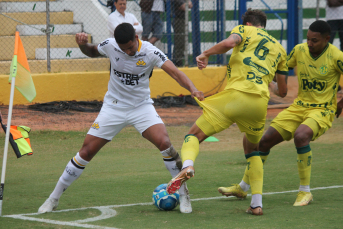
{"points": [[20, 69]]}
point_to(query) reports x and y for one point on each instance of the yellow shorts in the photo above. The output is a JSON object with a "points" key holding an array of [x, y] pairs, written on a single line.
{"points": [[223, 109], [288, 121]]}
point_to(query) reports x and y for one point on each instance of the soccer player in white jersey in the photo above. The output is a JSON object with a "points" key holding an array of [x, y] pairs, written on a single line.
{"points": [[319, 68], [127, 102]]}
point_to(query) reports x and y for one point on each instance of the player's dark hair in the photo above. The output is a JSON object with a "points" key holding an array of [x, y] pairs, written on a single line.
{"points": [[255, 17], [124, 33], [321, 27]]}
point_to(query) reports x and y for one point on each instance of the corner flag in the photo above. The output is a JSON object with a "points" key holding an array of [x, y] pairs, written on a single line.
{"points": [[20, 77], [20, 69]]}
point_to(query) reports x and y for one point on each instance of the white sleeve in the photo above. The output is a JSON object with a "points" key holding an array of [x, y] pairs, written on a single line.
{"points": [[138, 28], [158, 57], [102, 47], [111, 25]]}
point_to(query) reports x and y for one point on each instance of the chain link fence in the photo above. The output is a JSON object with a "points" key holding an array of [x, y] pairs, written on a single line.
{"points": [[48, 28]]}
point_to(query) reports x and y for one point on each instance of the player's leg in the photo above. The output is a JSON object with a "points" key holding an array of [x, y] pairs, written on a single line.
{"points": [[73, 170], [146, 120], [302, 137], [254, 172], [105, 127], [270, 138], [189, 152]]}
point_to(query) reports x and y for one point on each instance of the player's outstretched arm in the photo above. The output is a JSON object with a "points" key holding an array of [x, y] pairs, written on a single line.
{"points": [[87, 49], [279, 87], [220, 48], [182, 79]]}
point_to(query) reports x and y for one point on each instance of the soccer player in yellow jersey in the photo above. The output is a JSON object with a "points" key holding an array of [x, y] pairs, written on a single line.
{"points": [[255, 60], [319, 67]]}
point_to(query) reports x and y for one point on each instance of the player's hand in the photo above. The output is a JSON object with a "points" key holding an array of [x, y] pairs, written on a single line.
{"points": [[198, 94], [202, 61], [81, 38]]}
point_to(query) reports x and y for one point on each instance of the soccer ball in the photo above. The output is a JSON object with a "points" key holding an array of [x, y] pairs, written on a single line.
{"points": [[163, 200]]}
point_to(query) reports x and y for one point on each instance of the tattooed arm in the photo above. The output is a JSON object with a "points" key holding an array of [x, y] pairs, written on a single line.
{"points": [[220, 48]]}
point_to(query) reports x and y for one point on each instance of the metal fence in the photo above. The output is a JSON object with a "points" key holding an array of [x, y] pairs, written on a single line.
{"points": [[48, 27]]}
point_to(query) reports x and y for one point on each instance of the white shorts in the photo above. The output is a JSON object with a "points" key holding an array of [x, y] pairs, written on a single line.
{"points": [[112, 119]]}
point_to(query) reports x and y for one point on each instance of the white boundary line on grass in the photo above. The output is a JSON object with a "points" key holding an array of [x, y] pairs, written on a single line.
{"points": [[108, 212]]}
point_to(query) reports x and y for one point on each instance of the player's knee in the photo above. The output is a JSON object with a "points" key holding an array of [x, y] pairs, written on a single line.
{"points": [[164, 143], [301, 139], [265, 143]]}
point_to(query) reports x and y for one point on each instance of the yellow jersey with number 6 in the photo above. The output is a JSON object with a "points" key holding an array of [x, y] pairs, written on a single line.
{"points": [[318, 77], [255, 61]]}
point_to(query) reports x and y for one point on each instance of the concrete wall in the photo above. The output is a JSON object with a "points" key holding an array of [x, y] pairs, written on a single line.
{"points": [[88, 86]]}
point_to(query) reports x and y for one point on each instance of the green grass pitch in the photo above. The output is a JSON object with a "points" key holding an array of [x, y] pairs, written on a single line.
{"points": [[126, 171]]}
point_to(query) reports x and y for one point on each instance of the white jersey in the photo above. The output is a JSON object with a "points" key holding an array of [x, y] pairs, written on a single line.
{"points": [[129, 79]]}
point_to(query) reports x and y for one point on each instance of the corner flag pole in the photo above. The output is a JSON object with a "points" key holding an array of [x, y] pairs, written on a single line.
{"points": [[4, 160], [13, 73]]}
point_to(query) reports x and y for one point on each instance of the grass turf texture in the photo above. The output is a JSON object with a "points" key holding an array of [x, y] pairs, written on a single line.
{"points": [[127, 170]]}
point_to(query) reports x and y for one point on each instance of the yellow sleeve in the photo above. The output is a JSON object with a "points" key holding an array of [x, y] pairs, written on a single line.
{"points": [[339, 62], [291, 60], [239, 30], [282, 66]]}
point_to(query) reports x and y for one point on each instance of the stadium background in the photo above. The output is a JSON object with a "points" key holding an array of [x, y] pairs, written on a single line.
{"points": [[62, 73]]}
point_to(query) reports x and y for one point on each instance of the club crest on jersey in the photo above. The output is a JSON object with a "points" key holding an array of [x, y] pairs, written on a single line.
{"points": [[140, 63], [95, 126], [323, 69]]}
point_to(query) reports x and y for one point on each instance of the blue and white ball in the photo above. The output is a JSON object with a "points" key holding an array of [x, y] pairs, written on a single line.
{"points": [[163, 200]]}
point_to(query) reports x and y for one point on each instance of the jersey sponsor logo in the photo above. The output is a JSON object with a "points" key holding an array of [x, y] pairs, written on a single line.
{"points": [[160, 55], [340, 65], [302, 48], [323, 69], [256, 129], [117, 59], [248, 61], [329, 56], [311, 66], [95, 126], [301, 62], [140, 55], [313, 84], [128, 78], [140, 63], [104, 43]]}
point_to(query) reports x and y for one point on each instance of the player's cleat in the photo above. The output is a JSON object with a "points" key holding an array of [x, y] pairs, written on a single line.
{"points": [[179, 179], [303, 198], [254, 211], [185, 204], [49, 205], [234, 190]]}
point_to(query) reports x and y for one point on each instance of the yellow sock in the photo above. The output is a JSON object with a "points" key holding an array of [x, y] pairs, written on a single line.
{"points": [[255, 172], [245, 176], [190, 148], [263, 158], [304, 161]]}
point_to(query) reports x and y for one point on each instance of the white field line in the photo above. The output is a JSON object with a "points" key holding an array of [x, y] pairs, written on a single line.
{"points": [[108, 212]]}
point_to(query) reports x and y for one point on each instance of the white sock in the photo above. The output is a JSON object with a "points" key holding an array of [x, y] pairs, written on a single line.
{"points": [[256, 201], [187, 163], [171, 166], [244, 186], [304, 188], [72, 171]]}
